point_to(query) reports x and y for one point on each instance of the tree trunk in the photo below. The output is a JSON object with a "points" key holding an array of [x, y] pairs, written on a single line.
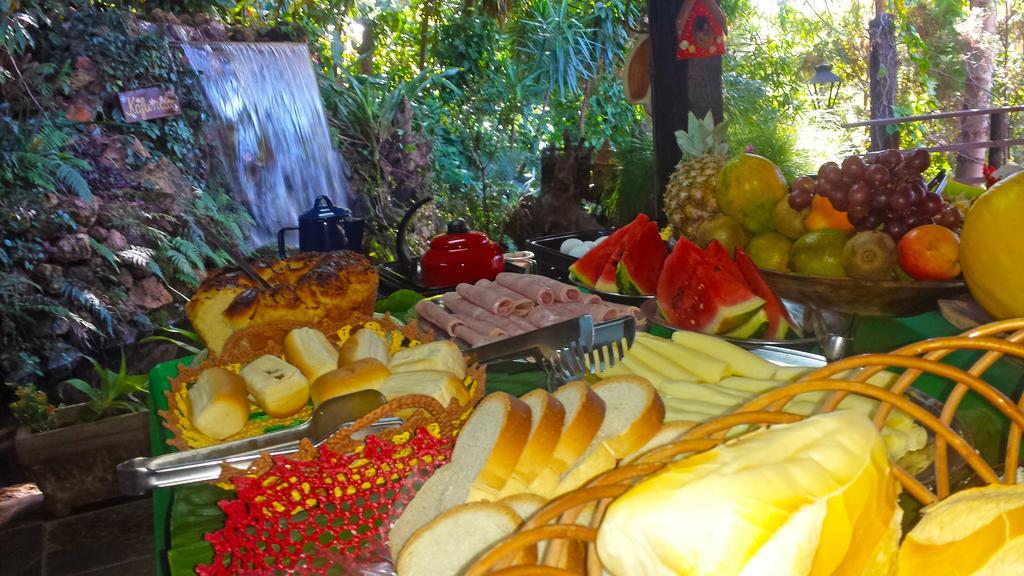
{"points": [[979, 45], [883, 70], [999, 130]]}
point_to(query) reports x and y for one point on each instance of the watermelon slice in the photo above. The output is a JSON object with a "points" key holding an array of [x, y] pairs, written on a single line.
{"points": [[642, 259], [779, 322], [590, 268], [720, 255], [752, 328], [697, 293]]}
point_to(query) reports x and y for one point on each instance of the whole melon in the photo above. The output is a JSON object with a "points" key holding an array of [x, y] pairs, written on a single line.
{"points": [[991, 250], [749, 186]]}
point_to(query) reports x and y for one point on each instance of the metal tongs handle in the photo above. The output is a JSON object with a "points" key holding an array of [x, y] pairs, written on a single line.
{"points": [[141, 475]]}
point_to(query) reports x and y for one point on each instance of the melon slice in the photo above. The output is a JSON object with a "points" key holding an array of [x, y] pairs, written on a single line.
{"points": [[720, 255], [696, 293], [779, 322], [589, 269], [752, 328], [641, 262]]}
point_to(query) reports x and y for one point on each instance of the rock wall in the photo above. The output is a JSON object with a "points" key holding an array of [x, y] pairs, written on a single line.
{"points": [[87, 267]]}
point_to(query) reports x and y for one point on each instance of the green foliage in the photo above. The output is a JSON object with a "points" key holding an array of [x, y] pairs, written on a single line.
{"points": [[115, 392], [32, 408], [185, 339], [34, 157]]}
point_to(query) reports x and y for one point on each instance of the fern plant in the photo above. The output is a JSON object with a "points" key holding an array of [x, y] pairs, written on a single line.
{"points": [[34, 156]]}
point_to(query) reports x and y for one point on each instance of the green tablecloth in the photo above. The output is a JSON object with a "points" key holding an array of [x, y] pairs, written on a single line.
{"points": [[195, 512]]}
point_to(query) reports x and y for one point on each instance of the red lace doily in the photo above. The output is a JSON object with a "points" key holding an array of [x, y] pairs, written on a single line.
{"points": [[309, 517]]}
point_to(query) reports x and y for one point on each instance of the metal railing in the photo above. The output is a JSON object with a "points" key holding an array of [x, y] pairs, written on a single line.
{"points": [[999, 146]]}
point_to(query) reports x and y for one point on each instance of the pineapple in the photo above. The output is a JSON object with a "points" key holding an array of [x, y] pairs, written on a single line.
{"points": [[690, 194]]}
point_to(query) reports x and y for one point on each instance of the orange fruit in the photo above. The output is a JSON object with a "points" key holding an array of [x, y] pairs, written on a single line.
{"points": [[824, 215], [930, 252], [991, 251]]}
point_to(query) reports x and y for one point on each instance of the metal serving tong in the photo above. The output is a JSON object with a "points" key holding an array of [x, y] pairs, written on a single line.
{"points": [[140, 475], [566, 350]]}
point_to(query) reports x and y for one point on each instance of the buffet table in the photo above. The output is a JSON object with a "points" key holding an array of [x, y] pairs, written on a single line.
{"points": [[193, 510]]}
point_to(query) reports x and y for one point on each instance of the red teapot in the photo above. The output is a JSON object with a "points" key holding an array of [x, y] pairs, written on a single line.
{"points": [[460, 255]]}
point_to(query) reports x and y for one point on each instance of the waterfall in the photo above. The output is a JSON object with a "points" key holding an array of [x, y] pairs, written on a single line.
{"points": [[270, 128]]}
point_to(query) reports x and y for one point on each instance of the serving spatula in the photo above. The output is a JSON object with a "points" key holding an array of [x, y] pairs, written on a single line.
{"points": [[140, 475]]}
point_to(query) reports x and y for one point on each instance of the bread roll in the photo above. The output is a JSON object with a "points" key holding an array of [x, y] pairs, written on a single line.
{"points": [[311, 352], [363, 344], [279, 388], [440, 355], [441, 385], [219, 403], [366, 374]]}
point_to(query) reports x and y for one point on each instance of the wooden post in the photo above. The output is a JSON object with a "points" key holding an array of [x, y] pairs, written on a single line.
{"points": [[677, 87], [883, 69], [999, 129]]}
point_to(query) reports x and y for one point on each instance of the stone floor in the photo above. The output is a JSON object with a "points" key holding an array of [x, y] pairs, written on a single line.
{"points": [[115, 539]]}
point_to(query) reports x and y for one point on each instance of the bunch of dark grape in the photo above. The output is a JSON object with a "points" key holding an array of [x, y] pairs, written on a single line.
{"points": [[885, 191]]}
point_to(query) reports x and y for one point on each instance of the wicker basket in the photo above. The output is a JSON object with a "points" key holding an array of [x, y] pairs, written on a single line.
{"points": [[250, 343], [571, 548]]}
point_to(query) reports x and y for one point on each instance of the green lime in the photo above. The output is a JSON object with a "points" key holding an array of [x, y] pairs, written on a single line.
{"points": [[725, 229], [787, 221], [769, 250], [819, 253]]}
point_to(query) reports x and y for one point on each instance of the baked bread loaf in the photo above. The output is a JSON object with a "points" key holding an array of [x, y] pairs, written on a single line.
{"points": [[306, 287], [219, 403], [366, 374], [363, 344], [440, 355], [311, 352], [279, 388]]}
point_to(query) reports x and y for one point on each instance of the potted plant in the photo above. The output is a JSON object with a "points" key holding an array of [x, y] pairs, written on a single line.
{"points": [[71, 452]]}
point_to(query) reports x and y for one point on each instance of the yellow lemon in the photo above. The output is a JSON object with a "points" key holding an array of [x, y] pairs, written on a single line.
{"points": [[991, 250]]}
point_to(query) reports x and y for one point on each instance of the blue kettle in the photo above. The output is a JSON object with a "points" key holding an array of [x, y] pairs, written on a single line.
{"points": [[324, 228]]}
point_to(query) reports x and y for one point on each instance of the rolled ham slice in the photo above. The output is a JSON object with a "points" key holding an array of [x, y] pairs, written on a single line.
{"points": [[624, 309], [563, 292], [466, 309], [542, 316], [438, 317], [528, 285], [599, 312], [482, 326], [472, 337], [521, 305], [590, 298], [488, 299]]}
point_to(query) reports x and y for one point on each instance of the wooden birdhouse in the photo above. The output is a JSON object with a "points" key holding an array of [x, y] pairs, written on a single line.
{"points": [[700, 30]]}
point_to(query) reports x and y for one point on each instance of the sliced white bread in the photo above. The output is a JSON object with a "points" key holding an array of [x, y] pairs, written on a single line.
{"points": [[488, 448], [546, 418], [485, 453], [669, 432], [424, 507], [526, 505], [634, 413], [584, 413], [448, 545]]}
